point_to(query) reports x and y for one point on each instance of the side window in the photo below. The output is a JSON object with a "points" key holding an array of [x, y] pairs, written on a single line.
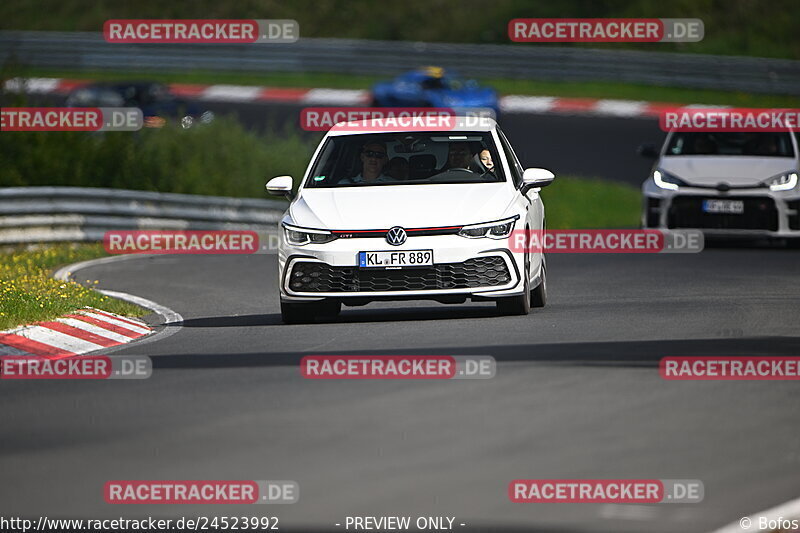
{"points": [[513, 162]]}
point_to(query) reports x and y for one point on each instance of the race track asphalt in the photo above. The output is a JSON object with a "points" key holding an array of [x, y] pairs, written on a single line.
{"points": [[577, 394]]}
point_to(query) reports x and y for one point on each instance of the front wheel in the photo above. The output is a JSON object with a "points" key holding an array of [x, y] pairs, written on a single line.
{"points": [[539, 294]]}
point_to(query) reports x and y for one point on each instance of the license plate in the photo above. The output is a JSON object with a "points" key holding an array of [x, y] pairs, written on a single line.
{"points": [[729, 207], [398, 258]]}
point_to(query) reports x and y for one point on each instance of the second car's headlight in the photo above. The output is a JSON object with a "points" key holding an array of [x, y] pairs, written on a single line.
{"points": [[782, 182], [297, 236], [499, 229], [666, 180]]}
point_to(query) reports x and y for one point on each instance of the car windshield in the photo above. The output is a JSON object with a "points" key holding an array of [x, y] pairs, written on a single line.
{"points": [[731, 144], [405, 159]]}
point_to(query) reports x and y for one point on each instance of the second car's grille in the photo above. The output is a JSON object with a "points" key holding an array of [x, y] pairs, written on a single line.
{"points": [[687, 212], [476, 272]]}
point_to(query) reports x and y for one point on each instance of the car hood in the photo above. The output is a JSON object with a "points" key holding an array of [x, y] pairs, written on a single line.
{"points": [[409, 206], [733, 170]]}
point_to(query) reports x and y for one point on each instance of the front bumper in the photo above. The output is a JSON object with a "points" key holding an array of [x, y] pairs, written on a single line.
{"points": [[766, 213], [483, 268]]}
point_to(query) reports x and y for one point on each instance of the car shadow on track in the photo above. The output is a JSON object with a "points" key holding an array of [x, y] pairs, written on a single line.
{"points": [[349, 315], [645, 354]]}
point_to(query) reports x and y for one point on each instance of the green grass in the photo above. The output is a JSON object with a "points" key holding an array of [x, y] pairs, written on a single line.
{"points": [[613, 90], [221, 159], [582, 203], [29, 294]]}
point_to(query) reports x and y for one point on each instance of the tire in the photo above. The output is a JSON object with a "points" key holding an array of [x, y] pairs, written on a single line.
{"points": [[302, 313], [539, 294], [517, 305]]}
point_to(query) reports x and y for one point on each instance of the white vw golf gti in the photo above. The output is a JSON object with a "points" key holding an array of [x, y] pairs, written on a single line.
{"points": [[386, 214]]}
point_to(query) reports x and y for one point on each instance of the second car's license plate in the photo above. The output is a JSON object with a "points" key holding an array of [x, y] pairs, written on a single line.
{"points": [[398, 258], [729, 207]]}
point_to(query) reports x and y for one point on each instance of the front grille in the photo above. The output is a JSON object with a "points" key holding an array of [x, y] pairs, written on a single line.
{"points": [[687, 212], [794, 220], [476, 272]]}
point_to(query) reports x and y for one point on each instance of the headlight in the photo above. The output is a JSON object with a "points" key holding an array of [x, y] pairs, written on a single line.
{"points": [[667, 181], [782, 182], [297, 236], [499, 229]]}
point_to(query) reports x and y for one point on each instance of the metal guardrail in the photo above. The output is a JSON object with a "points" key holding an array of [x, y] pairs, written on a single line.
{"points": [[53, 214], [89, 51]]}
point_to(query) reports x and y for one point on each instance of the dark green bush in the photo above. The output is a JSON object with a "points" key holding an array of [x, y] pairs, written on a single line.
{"points": [[219, 159]]}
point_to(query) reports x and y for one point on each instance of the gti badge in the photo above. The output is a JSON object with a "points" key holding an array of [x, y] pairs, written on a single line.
{"points": [[396, 236]]}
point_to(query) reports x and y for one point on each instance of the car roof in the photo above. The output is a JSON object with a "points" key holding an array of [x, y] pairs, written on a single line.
{"points": [[389, 125]]}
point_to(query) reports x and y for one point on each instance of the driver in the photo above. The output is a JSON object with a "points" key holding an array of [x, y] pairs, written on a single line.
{"points": [[373, 159], [458, 156]]}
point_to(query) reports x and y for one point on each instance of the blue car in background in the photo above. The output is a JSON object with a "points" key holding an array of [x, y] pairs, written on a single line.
{"points": [[433, 87]]}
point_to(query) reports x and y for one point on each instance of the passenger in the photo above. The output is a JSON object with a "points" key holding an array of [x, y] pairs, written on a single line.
{"points": [[373, 159], [486, 159], [397, 168], [482, 163]]}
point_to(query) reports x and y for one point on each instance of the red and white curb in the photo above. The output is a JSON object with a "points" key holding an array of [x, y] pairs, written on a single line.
{"points": [[351, 97], [84, 331]]}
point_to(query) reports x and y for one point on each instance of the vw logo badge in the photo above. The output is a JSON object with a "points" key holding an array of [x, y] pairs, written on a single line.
{"points": [[396, 236]]}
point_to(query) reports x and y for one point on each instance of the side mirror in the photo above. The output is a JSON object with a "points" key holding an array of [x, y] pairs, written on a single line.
{"points": [[281, 186], [648, 151], [534, 178]]}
